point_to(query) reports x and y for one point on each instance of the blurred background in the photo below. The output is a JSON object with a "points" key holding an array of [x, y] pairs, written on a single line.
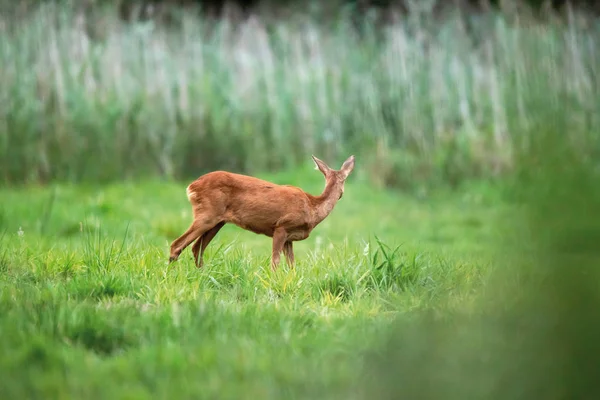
{"points": [[424, 92]]}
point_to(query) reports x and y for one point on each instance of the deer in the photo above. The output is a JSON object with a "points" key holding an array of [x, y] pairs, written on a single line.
{"points": [[284, 213]]}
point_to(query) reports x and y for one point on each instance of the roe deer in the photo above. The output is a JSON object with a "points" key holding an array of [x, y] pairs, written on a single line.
{"points": [[283, 212]]}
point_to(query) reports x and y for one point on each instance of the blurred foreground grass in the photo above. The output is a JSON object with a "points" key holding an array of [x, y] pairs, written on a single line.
{"points": [[534, 330]]}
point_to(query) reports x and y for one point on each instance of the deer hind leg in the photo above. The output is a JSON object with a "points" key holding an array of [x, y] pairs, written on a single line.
{"points": [[279, 239], [196, 230], [288, 252], [203, 241]]}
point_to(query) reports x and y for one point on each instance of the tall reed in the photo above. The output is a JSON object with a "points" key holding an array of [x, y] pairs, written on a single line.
{"points": [[416, 101]]}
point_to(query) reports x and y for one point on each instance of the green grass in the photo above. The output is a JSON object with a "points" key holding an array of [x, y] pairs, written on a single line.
{"points": [[90, 308], [487, 291]]}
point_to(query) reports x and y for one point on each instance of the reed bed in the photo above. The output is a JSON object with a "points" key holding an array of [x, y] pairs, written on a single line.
{"points": [[104, 100]]}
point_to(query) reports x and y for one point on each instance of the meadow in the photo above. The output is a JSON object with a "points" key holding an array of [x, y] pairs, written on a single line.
{"points": [[88, 296], [460, 263]]}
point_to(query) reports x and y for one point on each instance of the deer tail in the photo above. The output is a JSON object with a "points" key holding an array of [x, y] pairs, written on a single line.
{"points": [[191, 195]]}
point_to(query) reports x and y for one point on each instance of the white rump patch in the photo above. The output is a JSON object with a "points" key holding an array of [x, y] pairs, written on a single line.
{"points": [[190, 195]]}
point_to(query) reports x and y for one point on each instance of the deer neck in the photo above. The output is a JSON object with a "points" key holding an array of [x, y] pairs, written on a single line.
{"points": [[326, 201]]}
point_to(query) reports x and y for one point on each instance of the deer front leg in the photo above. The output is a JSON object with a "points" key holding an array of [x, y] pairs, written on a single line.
{"points": [[288, 251], [279, 239]]}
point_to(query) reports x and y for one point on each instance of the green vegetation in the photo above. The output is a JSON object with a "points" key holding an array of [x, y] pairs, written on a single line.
{"points": [[87, 297], [462, 261], [420, 102], [451, 295]]}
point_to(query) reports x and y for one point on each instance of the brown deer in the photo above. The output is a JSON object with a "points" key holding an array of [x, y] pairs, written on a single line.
{"points": [[283, 212]]}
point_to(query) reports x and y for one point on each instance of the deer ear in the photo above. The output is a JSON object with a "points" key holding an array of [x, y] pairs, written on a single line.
{"points": [[321, 166], [348, 166]]}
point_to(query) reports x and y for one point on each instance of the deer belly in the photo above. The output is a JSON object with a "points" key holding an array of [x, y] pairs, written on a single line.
{"points": [[297, 235], [259, 230]]}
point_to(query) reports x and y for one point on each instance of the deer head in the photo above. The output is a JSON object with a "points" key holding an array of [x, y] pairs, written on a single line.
{"points": [[335, 179]]}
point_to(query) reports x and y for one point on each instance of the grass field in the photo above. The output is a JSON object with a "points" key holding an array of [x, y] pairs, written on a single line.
{"points": [[486, 291], [90, 308], [436, 287]]}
